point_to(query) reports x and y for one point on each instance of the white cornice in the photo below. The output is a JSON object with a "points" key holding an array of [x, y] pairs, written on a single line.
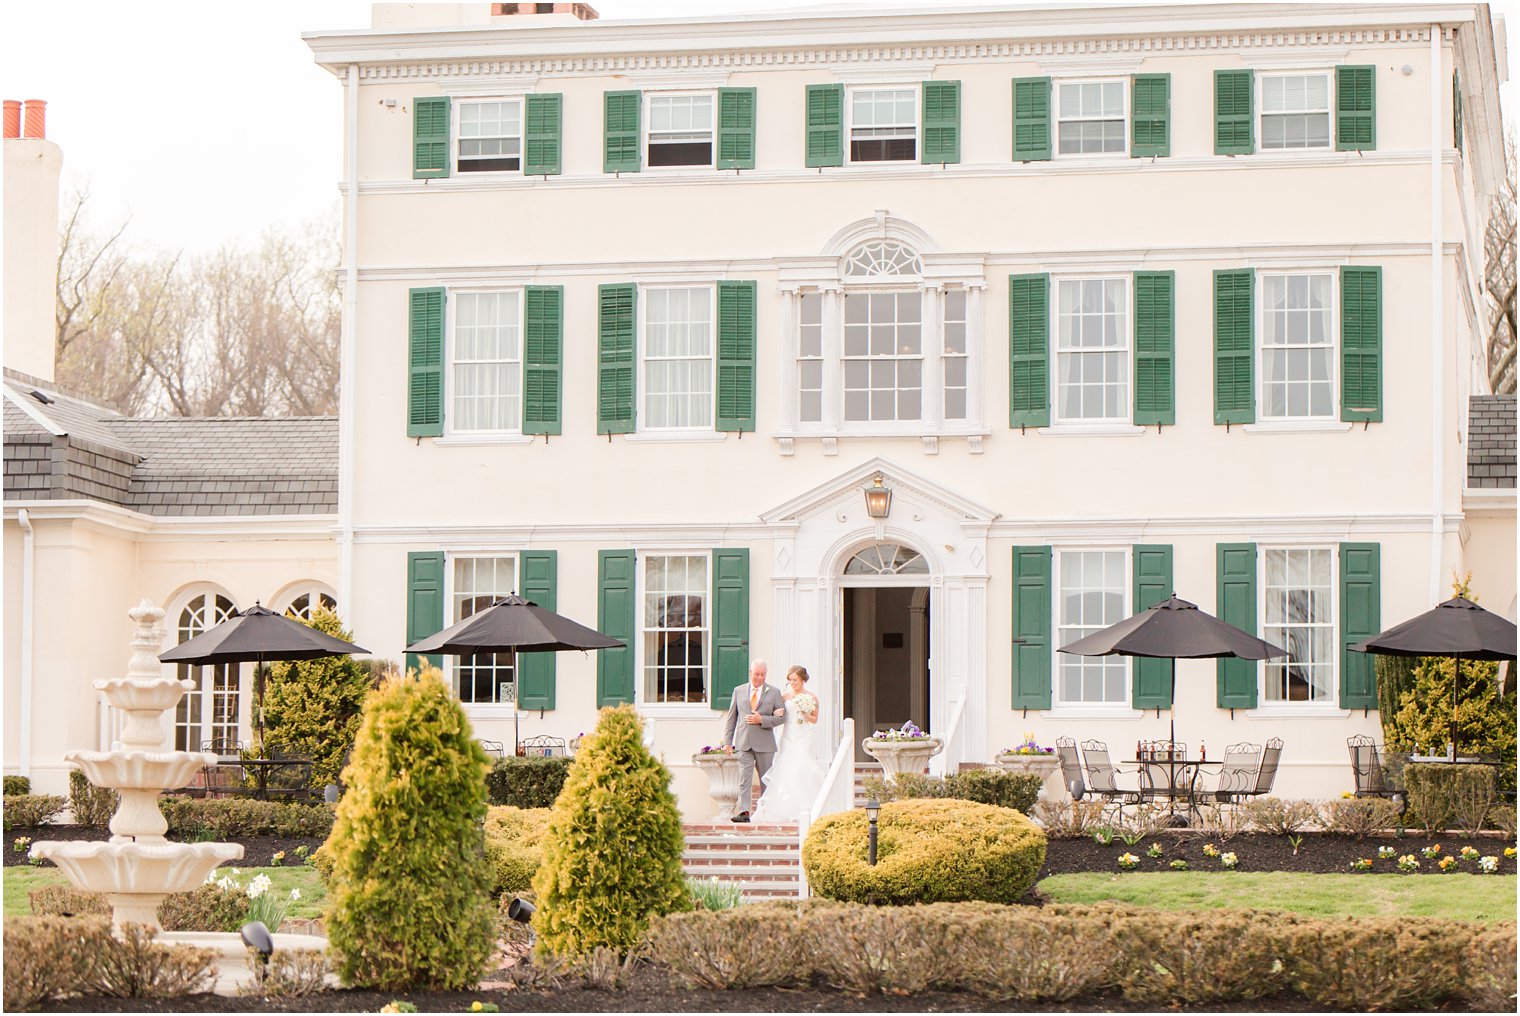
{"points": [[155, 528]]}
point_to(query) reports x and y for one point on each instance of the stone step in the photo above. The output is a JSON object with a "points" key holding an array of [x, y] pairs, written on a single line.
{"points": [[746, 843]]}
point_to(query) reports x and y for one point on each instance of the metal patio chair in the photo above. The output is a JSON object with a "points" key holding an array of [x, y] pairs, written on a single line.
{"points": [[1238, 774], [495, 749], [1103, 776], [1367, 768], [1266, 774], [544, 746], [1071, 767]]}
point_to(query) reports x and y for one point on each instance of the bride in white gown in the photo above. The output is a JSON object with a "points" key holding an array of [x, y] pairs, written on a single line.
{"points": [[796, 775]]}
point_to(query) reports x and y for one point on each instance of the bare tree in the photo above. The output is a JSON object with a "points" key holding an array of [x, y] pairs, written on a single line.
{"points": [[1499, 279]]}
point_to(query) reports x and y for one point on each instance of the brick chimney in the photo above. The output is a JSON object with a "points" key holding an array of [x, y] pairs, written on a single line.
{"points": [[585, 12], [29, 268]]}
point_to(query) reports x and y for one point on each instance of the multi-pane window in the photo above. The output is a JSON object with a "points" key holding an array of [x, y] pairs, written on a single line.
{"points": [[486, 380], [1091, 597], [207, 717], [1090, 118], [678, 358], [955, 354], [810, 358], [490, 136], [1299, 613], [884, 125], [675, 628], [1297, 354], [485, 678], [303, 605], [1092, 349], [681, 130], [883, 356], [1295, 111]]}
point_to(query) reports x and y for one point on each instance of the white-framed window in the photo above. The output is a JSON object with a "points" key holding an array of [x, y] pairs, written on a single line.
{"points": [[474, 584], [675, 628], [1295, 110], [1092, 592], [883, 124], [681, 130], [883, 356], [677, 352], [1092, 118], [490, 135], [485, 362], [1092, 376], [1298, 346], [810, 357], [955, 353], [1298, 612], [207, 718], [308, 598]]}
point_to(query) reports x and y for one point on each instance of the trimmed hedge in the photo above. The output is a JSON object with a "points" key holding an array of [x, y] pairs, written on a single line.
{"points": [[1444, 796], [17, 785], [234, 818], [205, 908], [31, 809], [928, 851], [529, 782], [92, 806], [1005, 789], [55, 957], [515, 846]]}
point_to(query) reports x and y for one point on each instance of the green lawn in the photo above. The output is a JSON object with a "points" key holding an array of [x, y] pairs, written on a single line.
{"points": [[1464, 897], [20, 881]]}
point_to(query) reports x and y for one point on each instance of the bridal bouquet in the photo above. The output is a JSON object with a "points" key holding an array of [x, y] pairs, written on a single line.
{"points": [[807, 706]]}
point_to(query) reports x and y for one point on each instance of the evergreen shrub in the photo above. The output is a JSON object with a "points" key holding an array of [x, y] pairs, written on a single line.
{"points": [[1485, 716], [529, 782], [31, 809], [928, 851], [235, 818], [409, 905], [515, 846], [612, 853], [92, 806], [1443, 795], [312, 706], [15, 785]]}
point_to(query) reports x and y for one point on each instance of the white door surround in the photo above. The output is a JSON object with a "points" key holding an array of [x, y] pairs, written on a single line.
{"points": [[819, 531]]}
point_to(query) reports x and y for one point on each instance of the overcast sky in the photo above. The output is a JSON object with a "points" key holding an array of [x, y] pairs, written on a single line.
{"points": [[206, 120]]}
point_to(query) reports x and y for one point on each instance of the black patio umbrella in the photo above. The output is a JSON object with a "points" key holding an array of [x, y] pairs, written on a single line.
{"points": [[258, 635], [1458, 628]]}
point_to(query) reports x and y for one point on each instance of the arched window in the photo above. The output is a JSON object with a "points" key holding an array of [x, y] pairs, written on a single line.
{"points": [[887, 559], [308, 597], [882, 259], [210, 712]]}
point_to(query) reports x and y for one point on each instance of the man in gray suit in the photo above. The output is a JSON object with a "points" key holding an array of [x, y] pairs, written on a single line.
{"points": [[747, 727]]}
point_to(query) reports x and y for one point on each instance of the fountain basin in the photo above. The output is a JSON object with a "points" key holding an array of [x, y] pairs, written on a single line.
{"points": [[233, 972], [137, 868], [145, 694], [141, 770]]}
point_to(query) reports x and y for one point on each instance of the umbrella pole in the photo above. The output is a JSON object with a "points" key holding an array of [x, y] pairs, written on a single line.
{"points": [[1456, 676]]}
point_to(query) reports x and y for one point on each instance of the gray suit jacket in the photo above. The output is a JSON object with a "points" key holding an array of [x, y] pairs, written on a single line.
{"points": [[747, 736]]}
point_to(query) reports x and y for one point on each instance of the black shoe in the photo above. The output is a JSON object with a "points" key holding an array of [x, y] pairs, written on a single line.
{"points": [[743, 816]]}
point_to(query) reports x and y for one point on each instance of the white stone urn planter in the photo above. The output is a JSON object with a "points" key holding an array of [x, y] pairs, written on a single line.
{"points": [[1046, 767], [722, 782], [902, 756]]}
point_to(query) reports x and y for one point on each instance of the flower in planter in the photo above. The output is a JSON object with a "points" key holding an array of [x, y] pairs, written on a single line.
{"points": [[1387, 853], [21, 844], [907, 732], [1431, 852], [1361, 864], [1209, 850], [1469, 853], [1029, 747], [1409, 863], [1228, 860], [1448, 864], [715, 749], [277, 858], [1488, 865], [1179, 865], [1128, 861], [1154, 850]]}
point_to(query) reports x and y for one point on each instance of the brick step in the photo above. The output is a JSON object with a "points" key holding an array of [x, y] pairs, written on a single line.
{"points": [[741, 829], [743, 856], [743, 873]]}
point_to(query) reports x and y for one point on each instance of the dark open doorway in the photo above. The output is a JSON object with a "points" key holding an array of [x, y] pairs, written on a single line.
{"points": [[886, 658]]}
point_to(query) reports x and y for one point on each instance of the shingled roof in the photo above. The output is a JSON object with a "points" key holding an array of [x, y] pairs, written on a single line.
{"points": [[1491, 441], [62, 447]]}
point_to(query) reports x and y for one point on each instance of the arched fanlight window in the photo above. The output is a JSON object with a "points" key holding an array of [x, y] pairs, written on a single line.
{"points": [[882, 259], [304, 604], [206, 718], [887, 559]]}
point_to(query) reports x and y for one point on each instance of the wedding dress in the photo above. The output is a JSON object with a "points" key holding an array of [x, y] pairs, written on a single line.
{"points": [[795, 776]]}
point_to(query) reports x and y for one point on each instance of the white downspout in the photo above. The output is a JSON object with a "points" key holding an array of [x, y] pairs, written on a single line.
{"points": [[1437, 321], [346, 358], [28, 599]]}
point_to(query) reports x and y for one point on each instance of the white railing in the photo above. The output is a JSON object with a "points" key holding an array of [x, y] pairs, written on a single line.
{"points": [[837, 794], [946, 760]]}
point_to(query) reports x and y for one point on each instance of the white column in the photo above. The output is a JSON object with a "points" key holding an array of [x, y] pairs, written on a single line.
{"points": [[833, 345], [933, 346], [790, 350], [977, 371]]}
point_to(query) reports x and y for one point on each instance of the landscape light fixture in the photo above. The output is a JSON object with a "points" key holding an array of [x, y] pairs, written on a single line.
{"points": [[873, 808], [878, 499], [256, 937]]}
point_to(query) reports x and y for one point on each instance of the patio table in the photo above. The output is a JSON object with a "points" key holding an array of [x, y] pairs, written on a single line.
{"points": [[1173, 789], [262, 767]]}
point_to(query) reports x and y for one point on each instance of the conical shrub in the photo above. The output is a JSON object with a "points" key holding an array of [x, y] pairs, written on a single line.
{"points": [[410, 903], [312, 707], [612, 853]]}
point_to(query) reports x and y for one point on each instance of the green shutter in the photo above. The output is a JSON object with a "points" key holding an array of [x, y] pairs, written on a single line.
{"points": [[1361, 344], [615, 614], [543, 350], [736, 128], [942, 122], [616, 358], [1031, 628], [824, 145], [1031, 119], [1234, 352], [1155, 330], [1456, 111], [424, 603], [1236, 575], [1355, 109], [430, 138], [1152, 565], [541, 136], [730, 624], [1029, 350], [1361, 618], [1150, 115], [424, 406], [535, 671], [621, 142], [736, 356], [1234, 126]]}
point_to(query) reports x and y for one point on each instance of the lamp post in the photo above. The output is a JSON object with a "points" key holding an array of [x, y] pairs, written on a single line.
{"points": [[873, 808]]}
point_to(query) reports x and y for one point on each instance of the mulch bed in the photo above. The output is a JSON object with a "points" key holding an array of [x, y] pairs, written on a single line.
{"points": [[257, 850]]}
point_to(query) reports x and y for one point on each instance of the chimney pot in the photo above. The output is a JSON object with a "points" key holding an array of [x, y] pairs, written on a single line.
{"points": [[12, 118], [36, 119]]}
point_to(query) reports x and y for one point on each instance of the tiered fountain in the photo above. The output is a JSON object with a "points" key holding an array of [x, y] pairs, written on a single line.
{"points": [[138, 867]]}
